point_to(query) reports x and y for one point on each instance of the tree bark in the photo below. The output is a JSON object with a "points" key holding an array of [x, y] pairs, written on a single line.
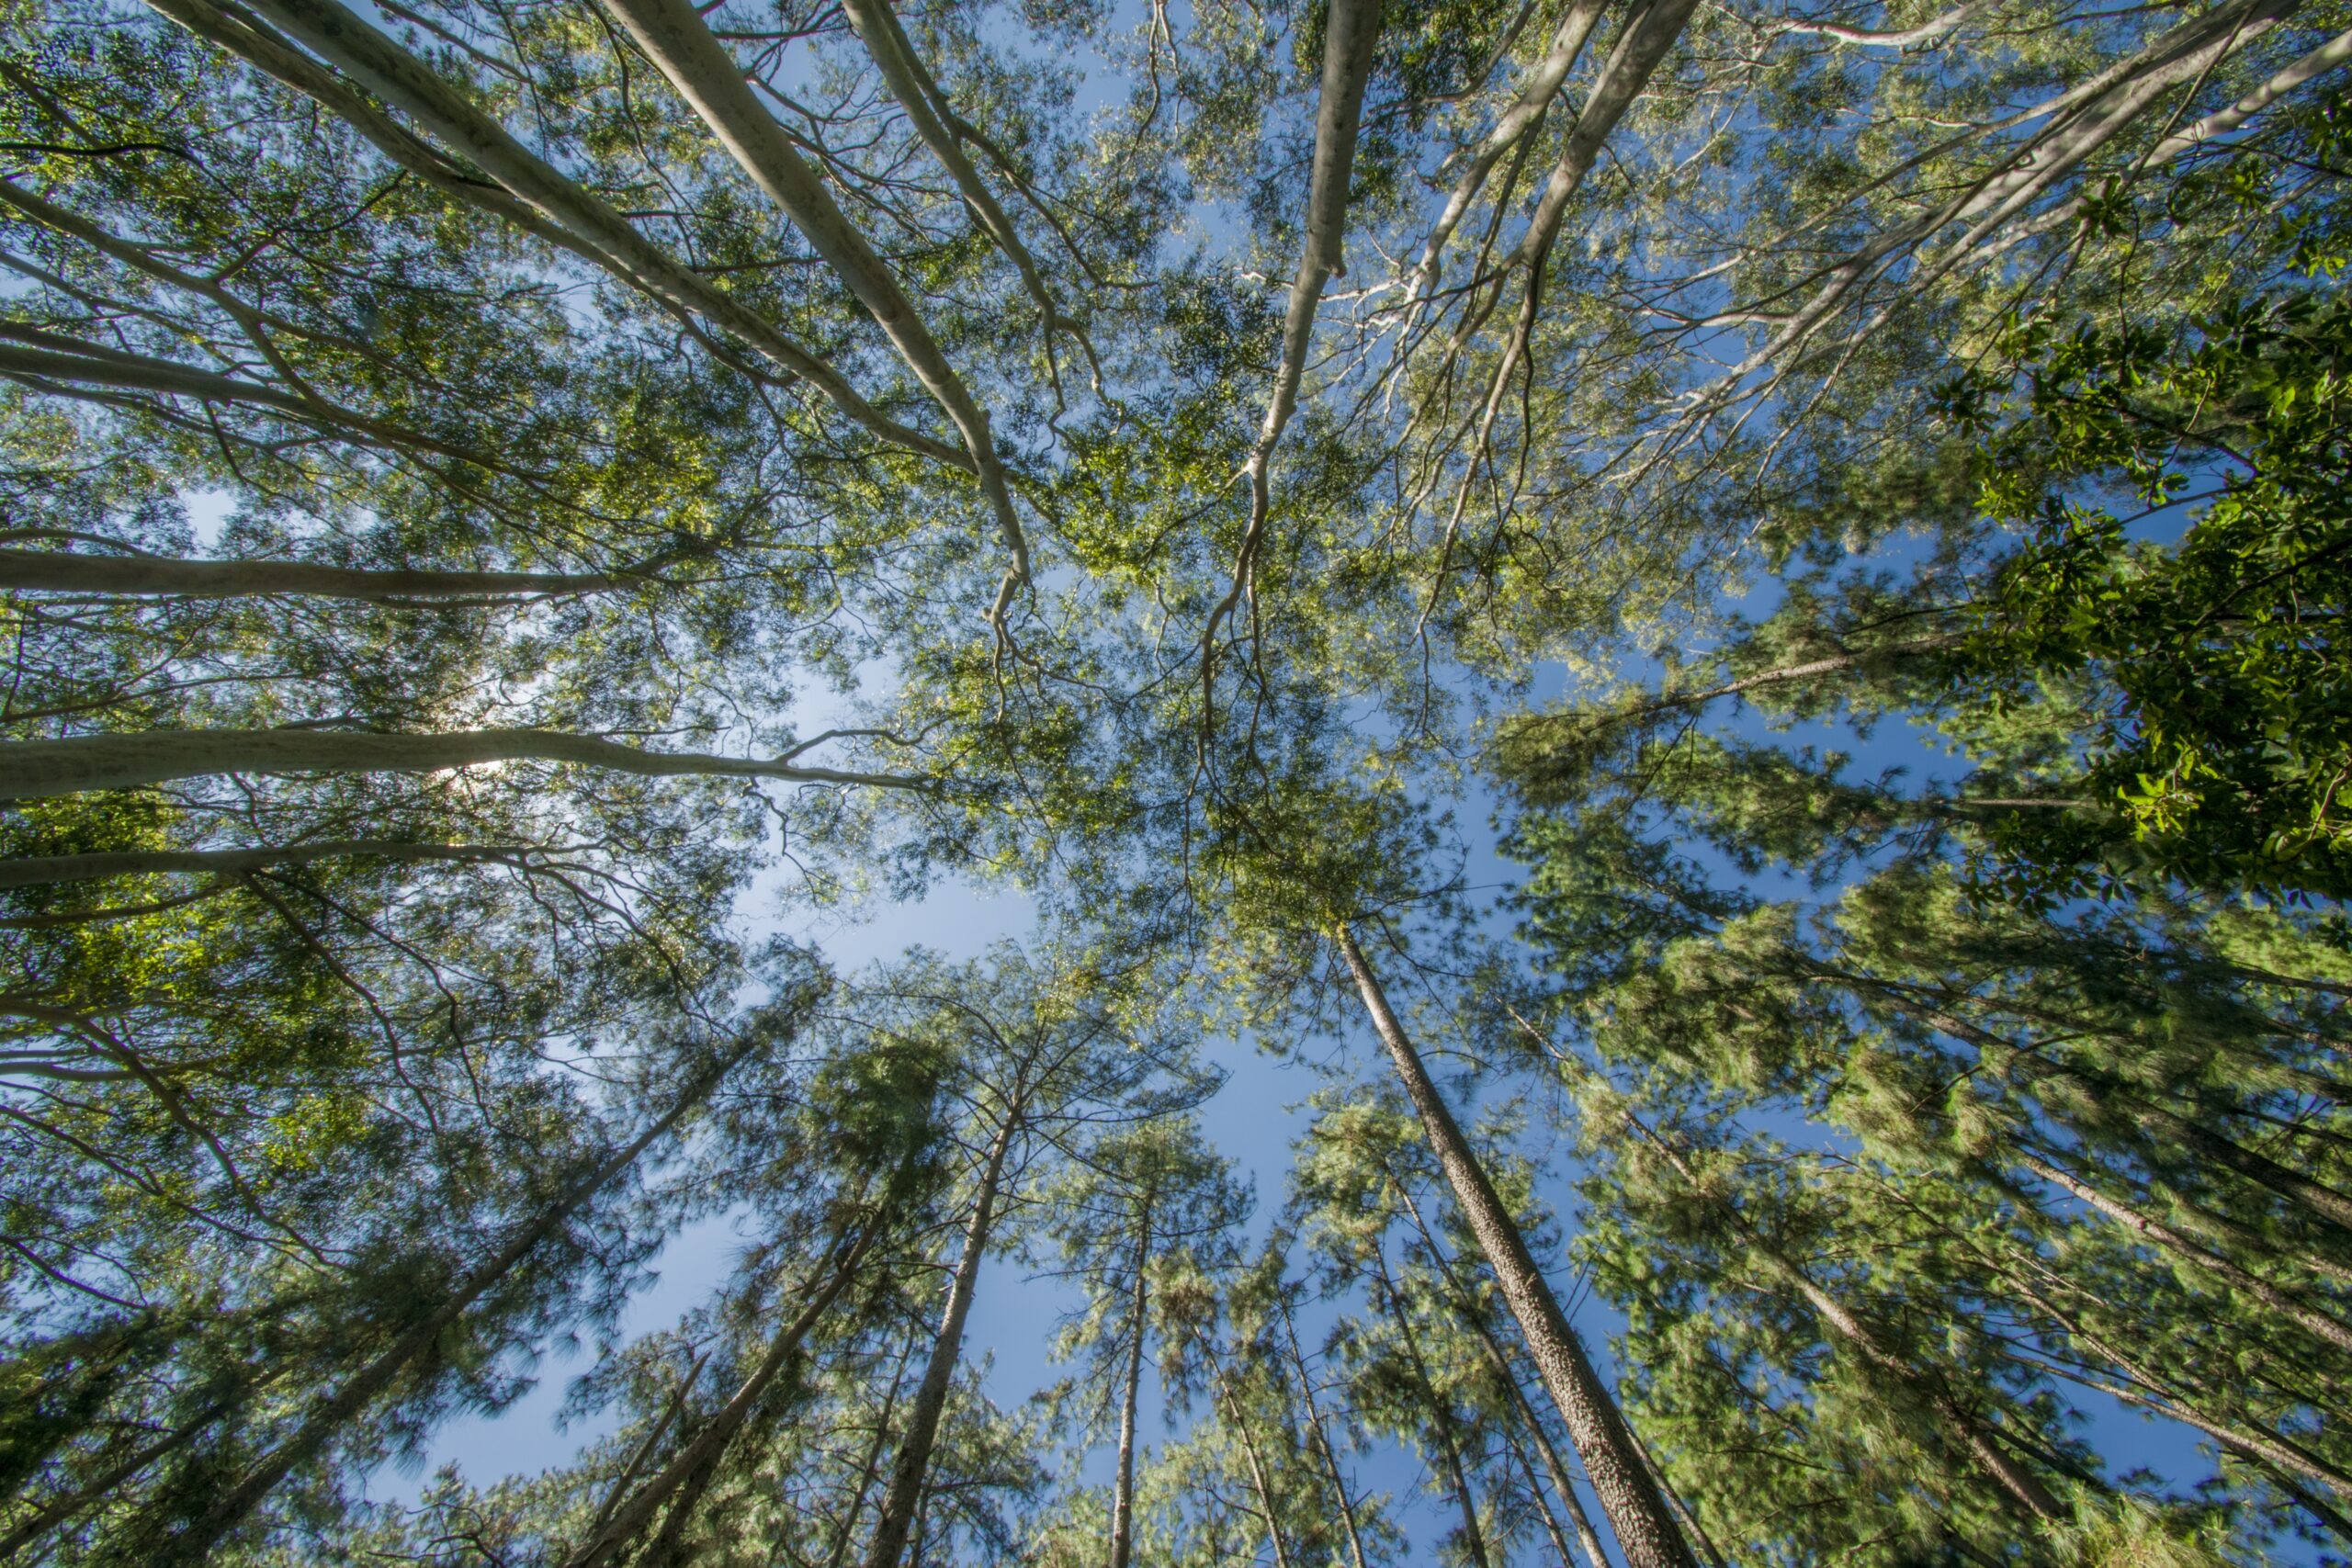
{"points": [[590, 226], [1535, 95], [689, 1472], [1474, 1538], [54, 571], [34, 871], [2319, 1325], [878, 26], [1645, 1526], [1349, 30], [2324, 1204], [913, 1465], [40, 356], [35, 770], [1562, 1482], [1322, 1439], [1123, 1495], [197, 1543], [673, 36]]}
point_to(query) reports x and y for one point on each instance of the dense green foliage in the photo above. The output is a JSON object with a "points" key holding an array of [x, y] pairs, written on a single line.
{"points": [[508, 507]]}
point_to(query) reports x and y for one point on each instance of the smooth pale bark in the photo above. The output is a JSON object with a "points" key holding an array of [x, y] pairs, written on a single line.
{"points": [[1322, 1438], [40, 870], [1526, 112], [1351, 28], [878, 26], [35, 770], [40, 357], [357, 1391], [681, 1482], [1123, 1495], [673, 35], [2080, 120], [596, 231], [2327, 57], [1640, 47], [1645, 1528], [1905, 38], [54, 571], [1676, 702], [913, 1465]]}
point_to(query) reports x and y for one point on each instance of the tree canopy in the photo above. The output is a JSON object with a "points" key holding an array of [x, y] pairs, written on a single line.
{"points": [[1709, 635]]}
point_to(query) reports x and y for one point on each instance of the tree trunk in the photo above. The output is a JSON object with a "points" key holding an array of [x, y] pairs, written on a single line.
{"points": [[58, 1510], [362, 1388], [553, 206], [690, 1472], [1562, 1482], [2324, 1204], [1474, 1538], [34, 871], [1645, 1526], [40, 356], [1351, 28], [1122, 1494], [913, 1465], [1542, 1505], [675, 38], [872, 1469], [878, 28], [1322, 1438], [1259, 1482], [55, 571], [2319, 1325], [35, 770]]}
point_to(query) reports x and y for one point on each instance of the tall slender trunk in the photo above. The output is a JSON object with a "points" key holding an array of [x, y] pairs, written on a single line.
{"points": [[913, 1465], [1474, 1538], [55, 571], [35, 770], [1562, 1482], [2319, 1325], [689, 1474], [1542, 1504], [1645, 1528], [1122, 1494], [59, 1509], [673, 36], [33, 871], [1260, 1483], [364, 1387], [1350, 30], [2001, 1467], [2331, 1208], [1322, 1439], [529, 192], [872, 1470]]}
